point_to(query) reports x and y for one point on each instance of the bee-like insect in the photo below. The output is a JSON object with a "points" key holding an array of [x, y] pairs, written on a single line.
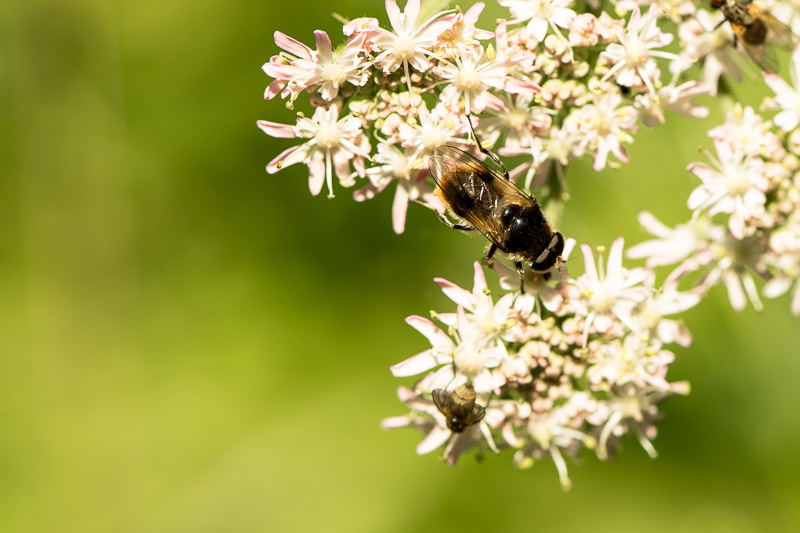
{"points": [[459, 407], [756, 29], [491, 203]]}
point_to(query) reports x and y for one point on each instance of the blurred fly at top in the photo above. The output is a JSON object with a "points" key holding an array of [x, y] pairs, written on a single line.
{"points": [[459, 407], [491, 203], [756, 29]]}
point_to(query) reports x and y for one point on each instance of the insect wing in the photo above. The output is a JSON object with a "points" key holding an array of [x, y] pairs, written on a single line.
{"points": [[759, 53], [779, 33], [443, 401], [475, 192], [477, 415], [448, 406]]}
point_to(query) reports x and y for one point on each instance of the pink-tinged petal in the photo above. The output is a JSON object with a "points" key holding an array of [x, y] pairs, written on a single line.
{"points": [[563, 16], [508, 435], [324, 52], [436, 336], [697, 198], [600, 158], [702, 171], [274, 89], [293, 46], [473, 13], [483, 382], [479, 280], [364, 24], [621, 153], [460, 296], [411, 12], [416, 364], [436, 26], [588, 263], [284, 72], [794, 71], [274, 129], [514, 85], [394, 16], [316, 173], [537, 28], [796, 300], [282, 160], [636, 276], [399, 209], [725, 204], [433, 440], [776, 83], [735, 292], [341, 165], [369, 191], [615, 257], [487, 434], [736, 225], [777, 286], [636, 17], [787, 120], [462, 322], [394, 422], [653, 225]]}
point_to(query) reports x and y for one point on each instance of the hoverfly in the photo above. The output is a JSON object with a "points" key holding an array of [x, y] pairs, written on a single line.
{"points": [[491, 203], [756, 29], [459, 407]]}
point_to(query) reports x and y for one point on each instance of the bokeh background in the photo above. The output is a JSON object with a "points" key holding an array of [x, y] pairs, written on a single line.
{"points": [[190, 344]]}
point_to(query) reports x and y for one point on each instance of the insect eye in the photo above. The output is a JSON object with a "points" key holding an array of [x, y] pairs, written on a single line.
{"points": [[510, 213]]}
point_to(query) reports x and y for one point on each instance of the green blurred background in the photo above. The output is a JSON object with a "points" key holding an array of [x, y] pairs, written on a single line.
{"points": [[190, 344]]}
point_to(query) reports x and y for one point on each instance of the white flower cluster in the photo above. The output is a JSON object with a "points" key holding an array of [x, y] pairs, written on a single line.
{"points": [[570, 364]]}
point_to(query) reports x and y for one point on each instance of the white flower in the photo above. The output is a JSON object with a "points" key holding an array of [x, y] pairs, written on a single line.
{"points": [[333, 144], [409, 45], [673, 244], [610, 292], [787, 98], [471, 77], [541, 14], [736, 187], [604, 126], [489, 318], [470, 358], [634, 408], [634, 56]]}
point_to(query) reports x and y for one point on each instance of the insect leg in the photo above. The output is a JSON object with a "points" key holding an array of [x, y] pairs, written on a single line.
{"points": [[490, 254], [486, 152], [459, 227], [521, 271]]}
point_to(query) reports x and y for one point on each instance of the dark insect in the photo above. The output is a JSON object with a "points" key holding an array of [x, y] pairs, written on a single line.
{"points": [[459, 407], [491, 203], [756, 29]]}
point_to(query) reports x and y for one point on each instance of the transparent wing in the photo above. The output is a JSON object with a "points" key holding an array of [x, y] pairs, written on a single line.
{"points": [[477, 414], [443, 401], [779, 33], [475, 192]]}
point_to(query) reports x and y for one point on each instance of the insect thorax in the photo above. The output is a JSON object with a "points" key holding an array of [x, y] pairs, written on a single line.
{"points": [[527, 230]]}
